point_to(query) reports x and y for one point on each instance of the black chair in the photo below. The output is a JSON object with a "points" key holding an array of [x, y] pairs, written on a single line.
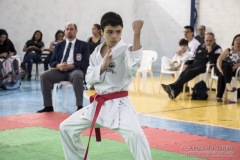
{"points": [[44, 55]]}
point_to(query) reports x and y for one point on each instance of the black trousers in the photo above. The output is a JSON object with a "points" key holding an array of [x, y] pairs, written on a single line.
{"points": [[225, 78], [190, 72]]}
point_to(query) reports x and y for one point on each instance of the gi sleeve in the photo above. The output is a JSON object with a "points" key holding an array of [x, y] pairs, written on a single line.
{"points": [[133, 60], [93, 75]]}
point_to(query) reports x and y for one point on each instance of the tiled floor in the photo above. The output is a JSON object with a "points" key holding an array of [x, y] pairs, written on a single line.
{"points": [[28, 99]]}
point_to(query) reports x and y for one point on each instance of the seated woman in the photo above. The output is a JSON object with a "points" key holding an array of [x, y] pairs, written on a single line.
{"points": [[59, 35], [227, 64], [180, 57], [9, 66], [7, 50], [33, 48]]}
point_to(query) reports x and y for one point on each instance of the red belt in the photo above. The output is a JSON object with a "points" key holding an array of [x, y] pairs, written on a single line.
{"points": [[101, 99]]}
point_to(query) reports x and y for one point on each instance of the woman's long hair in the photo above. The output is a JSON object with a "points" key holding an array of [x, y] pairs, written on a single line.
{"points": [[33, 37]]}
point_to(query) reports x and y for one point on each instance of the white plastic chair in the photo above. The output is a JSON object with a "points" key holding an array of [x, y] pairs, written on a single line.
{"points": [[213, 77], [64, 85], [149, 56], [234, 83], [164, 71]]}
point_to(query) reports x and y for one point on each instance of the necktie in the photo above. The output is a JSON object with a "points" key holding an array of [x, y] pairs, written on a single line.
{"points": [[67, 52]]}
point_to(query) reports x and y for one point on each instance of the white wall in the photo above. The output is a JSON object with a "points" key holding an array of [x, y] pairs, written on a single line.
{"points": [[220, 17], [163, 27], [22, 17]]}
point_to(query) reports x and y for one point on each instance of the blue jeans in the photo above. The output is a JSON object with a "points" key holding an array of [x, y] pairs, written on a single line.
{"points": [[29, 59]]}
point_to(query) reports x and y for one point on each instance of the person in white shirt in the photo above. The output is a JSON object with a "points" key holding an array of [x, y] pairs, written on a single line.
{"points": [[112, 67], [206, 53], [192, 42], [181, 56]]}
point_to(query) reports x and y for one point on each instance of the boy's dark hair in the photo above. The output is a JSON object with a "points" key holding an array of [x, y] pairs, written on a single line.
{"points": [[183, 42], [112, 19], [189, 27]]}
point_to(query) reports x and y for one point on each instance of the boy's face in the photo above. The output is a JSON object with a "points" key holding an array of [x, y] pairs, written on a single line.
{"points": [[183, 48], [112, 35]]}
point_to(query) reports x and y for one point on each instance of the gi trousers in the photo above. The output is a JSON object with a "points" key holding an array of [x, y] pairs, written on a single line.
{"points": [[129, 128]]}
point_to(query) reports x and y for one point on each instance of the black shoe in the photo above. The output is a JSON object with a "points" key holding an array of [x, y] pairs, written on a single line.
{"points": [[169, 91], [233, 89], [165, 88], [219, 100], [46, 109], [172, 92], [79, 107]]}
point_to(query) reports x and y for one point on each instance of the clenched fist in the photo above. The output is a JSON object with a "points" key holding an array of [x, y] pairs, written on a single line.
{"points": [[137, 26]]}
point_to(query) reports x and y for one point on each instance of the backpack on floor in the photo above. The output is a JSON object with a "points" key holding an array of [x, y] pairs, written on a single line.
{"points": [[200, 91], [10, 78]]}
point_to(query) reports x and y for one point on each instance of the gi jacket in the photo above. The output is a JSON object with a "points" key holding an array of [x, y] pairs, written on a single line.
{"points": [[118, 76]]}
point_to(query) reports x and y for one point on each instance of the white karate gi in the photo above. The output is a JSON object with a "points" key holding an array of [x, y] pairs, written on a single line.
{"points": [[117, 114], [167, 62]]}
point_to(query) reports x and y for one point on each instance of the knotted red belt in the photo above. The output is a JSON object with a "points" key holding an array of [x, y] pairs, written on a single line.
{"points": [[100, 100]]}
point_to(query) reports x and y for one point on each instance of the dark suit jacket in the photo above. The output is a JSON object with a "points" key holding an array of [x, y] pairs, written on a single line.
{"points": [[80, 55]]}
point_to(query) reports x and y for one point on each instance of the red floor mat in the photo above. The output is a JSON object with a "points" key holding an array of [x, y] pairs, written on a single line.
{"points": [[193, 145]]}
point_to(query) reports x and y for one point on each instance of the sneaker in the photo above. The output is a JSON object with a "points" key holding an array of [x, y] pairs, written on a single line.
{"points": [[46, 109]]}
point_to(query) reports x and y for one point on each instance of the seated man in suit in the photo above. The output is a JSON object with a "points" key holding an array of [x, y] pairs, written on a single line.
{"points": [[69, 62], [208, 52]]}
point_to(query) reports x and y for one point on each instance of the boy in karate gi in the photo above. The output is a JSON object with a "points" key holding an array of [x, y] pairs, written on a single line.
{"points": [[112, 66]]}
